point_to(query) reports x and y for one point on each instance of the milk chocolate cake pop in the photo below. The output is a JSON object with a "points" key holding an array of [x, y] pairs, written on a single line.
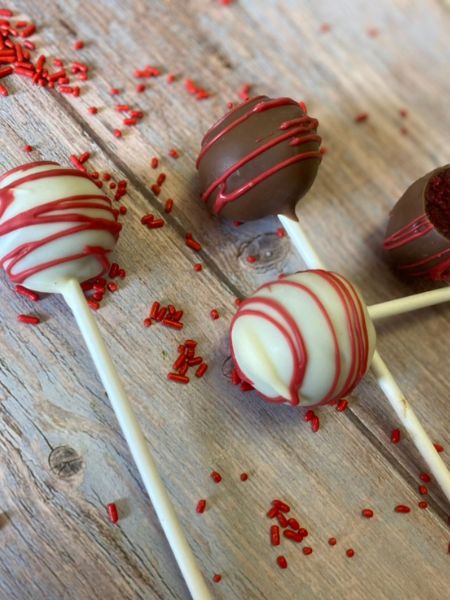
{"points": [[418, 234], [259, 159], [306, 338], [55, 225]]}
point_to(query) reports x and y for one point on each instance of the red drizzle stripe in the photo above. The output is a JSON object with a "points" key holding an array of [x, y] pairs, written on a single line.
{"points": [[414, 230]]}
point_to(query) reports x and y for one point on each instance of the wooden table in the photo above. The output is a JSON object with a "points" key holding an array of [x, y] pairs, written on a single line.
{"points": [[63, 458]]}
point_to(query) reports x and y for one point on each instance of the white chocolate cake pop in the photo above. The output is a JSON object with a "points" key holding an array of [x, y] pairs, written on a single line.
{"points": [[55, 225], [306, 338]]}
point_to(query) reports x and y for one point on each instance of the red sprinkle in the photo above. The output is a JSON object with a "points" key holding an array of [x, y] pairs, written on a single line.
{"points": [[315, 424], [201, 370], [173, 153], [281, 505], [332, 541], [309, 415], [282, 520], [350, 553], [201, 505], [307, 550], [216, 477], [178, 378], [198, 267], [191, 243], [342, 405], [282, 562], [217, 578], [78, 45], [281, 232], [293, 523], [273, 512], [367, 513], [401, 508], [423, 504], [168, 206], [214, 314], [292, 535], [423, 490], [438, 447], [303, 532], [395, 436], [3, 91], [93, 110], [112, 512], [117, 133], [251, 259], [243, 476], [29, 319], [361, 117], [425, 477], [275, 535], [23, 291]]}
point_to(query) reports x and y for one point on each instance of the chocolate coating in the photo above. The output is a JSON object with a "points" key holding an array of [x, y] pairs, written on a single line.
{"points": [[418, 233], [259, 159]]}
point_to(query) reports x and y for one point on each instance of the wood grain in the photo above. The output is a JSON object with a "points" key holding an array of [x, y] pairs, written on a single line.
{"points": [[63, 456]]}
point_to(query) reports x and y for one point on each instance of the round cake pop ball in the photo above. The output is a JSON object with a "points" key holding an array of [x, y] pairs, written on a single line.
{"points": [[55, 225], [418, 234], [259, 159], [306, 338]]}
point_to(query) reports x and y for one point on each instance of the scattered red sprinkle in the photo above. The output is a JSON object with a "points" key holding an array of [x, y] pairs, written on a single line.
{"points": [[193, 244], [303, 532], [423, 504], [217, 578], [214, 314], [423, 490], [403, 113], [243, 476], [323, 150], [173, 153], [342, 405], [325, 27], [216, 477], [78, 45], [282, 562], [281, 232], [293, 523], [275, 535], [280, 505], [29, 319], [168, 206], [251, 259], [117, 133], [112, 512], [315, 424], [307, 550], [178, 378], [140, 88], [3, 91], [93, 110], [154, 163], [244, 92], [273, 512], [395, 436], [350, 553], [367, 513], [438, 447], [201, 505], [425, 477], [170, 78], [309, 415], [332, 541], [282, 520], [294, 536], [23, 291], [27, 148], [361, 117], [114, 91], [161, 179], [401, 508], [193, 89]]}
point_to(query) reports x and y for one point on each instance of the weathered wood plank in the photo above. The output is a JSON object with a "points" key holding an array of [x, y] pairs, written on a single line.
{"points": [[56, 542]]}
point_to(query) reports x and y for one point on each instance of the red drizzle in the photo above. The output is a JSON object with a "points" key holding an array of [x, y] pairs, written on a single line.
{"points": [[44, 214]]}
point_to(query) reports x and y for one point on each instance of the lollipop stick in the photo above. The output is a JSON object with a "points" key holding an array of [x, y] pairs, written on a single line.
{"points": [[384, 377], [136, 441], [377, 311]]}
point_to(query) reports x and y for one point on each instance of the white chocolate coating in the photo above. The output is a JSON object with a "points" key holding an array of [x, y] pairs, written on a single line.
{"points": [[305, 338], [55, 225]]}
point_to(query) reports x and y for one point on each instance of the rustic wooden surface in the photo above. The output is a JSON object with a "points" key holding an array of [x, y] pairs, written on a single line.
{"points": [[63, 458]]}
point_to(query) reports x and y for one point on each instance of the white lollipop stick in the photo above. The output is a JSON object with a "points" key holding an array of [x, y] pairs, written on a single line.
{"points": [[136, 441], [382, 310], [384, 377]]}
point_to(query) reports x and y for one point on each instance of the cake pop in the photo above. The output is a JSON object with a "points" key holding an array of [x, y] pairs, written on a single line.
{"points": [[55, 225], [56, 231], [306, 338], [418, 234], [259, 159]]}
